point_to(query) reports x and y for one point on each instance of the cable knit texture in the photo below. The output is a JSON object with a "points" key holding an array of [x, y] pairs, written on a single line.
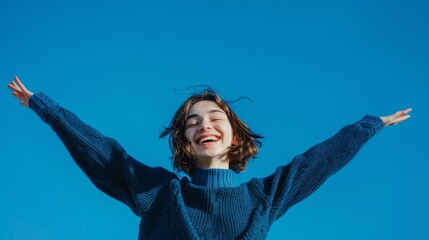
{"points": [[209, 205]]}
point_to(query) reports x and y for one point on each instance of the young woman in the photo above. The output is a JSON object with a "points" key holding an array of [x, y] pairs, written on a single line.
{"points": [[209, 143]]}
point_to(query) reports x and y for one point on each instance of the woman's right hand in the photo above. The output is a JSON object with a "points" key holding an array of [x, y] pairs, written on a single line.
{"points": [[20, 91]]}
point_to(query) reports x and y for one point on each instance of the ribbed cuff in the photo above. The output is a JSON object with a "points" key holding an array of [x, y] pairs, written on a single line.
{"points": [[41, 104], [374, 122]]}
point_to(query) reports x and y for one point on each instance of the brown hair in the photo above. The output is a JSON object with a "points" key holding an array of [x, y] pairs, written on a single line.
{"points": [[247, 144]]}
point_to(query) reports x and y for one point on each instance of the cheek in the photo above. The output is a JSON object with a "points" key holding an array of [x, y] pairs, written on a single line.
{"points": [[188, 135], [229, 134]]}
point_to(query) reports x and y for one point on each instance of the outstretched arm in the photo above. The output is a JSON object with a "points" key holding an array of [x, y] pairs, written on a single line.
{"points": [[308, 171], [102, 159]]}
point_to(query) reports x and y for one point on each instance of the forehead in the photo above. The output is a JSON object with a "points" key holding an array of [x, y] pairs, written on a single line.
{"points": [[202, 107]]}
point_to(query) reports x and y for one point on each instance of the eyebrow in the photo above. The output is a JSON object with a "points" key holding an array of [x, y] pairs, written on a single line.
{"points": [[210, 112]]}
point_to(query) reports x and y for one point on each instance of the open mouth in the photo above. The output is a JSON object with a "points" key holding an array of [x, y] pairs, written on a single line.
{"points": [[208, 139]]}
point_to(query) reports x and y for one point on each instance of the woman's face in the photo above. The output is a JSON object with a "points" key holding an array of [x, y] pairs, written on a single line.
{"points": [[209, 132]]}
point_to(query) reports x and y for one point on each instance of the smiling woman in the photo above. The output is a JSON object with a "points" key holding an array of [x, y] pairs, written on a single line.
{"points": [[209, 134], [210, 143], [227, 142]]}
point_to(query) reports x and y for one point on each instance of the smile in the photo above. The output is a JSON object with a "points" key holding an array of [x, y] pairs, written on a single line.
{"points": [[208, 139]]}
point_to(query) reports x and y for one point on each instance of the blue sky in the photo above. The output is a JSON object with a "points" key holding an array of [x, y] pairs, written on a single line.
{"points": [[310, 67]]}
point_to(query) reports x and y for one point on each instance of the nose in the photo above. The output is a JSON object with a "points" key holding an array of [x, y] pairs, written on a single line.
{"points": [[205, 124]]}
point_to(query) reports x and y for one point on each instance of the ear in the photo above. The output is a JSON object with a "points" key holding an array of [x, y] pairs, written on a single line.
{"points": [[234, 141]]}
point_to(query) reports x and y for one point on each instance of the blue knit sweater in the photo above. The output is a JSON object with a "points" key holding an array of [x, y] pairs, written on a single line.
{"points": [[209, 206]]}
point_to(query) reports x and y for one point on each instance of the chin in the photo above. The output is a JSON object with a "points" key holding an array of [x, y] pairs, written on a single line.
{"points": [[209, 156]]}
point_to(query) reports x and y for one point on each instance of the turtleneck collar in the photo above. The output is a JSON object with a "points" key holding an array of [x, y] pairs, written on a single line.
{"points": [[213, 177]]}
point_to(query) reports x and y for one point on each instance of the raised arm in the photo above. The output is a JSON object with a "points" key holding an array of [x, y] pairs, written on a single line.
{"points": [[102, 158], [292, 183]]}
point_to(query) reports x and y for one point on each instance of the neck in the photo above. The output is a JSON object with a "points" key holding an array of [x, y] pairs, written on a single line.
{"points": [[212, 163]]}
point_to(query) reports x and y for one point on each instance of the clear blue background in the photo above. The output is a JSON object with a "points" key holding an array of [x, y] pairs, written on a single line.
{"points": [[311, 67]]}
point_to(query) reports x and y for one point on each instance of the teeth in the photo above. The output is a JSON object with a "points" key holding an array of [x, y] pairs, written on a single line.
{"points": [[213, 138]]}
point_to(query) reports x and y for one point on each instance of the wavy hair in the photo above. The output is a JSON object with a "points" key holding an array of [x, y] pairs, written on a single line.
{"points": [[247, 142]]}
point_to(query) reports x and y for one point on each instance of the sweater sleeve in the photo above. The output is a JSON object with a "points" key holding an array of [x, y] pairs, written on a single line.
{"points": [[294, 182], [101, 158]]}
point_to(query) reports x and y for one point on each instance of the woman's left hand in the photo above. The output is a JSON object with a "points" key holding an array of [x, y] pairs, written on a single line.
{"points": [[396, 117]]}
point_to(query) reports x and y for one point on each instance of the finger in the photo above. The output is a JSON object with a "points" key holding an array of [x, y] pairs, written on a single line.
{"points": [[13, 87], [17, 95], [404, 114], [400, 119], [404, 118], [16, 85], [399, 114], [406, 111], [20, 83]]}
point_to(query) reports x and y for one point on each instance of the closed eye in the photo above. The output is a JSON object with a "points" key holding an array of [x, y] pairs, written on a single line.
{"points": [[191, 124], [217, 117]]}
